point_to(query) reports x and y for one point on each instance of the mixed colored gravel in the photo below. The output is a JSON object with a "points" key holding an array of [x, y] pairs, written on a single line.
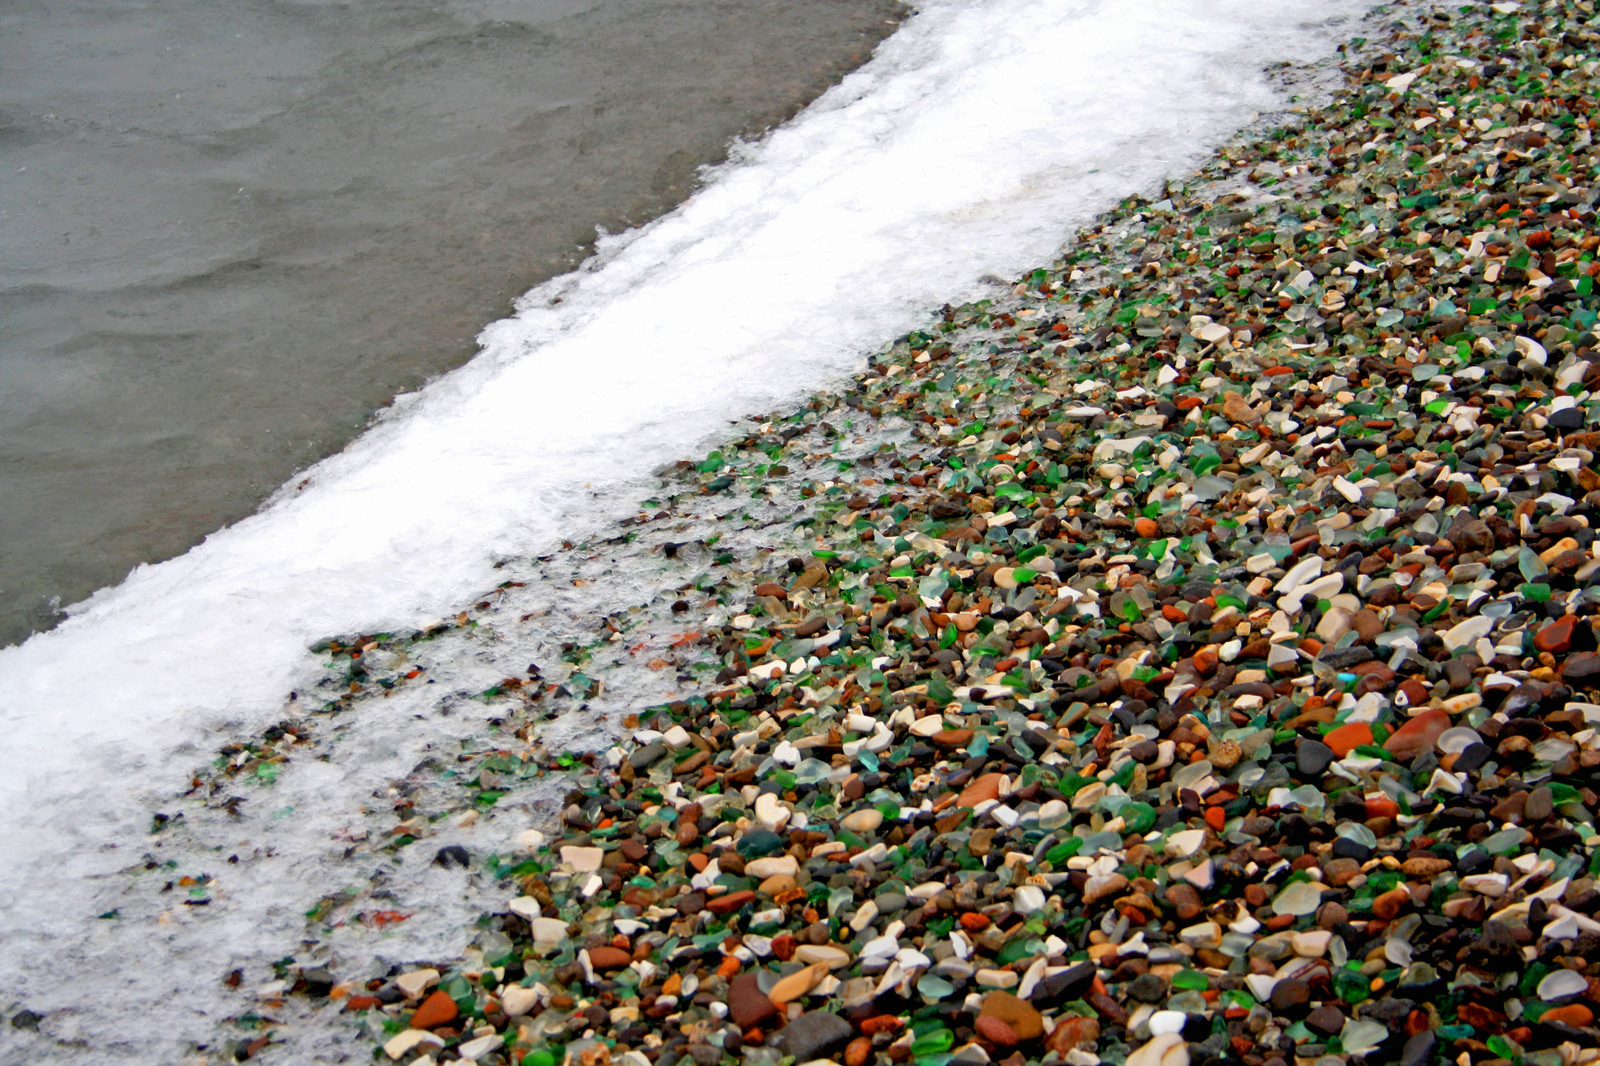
{"points": [[1187, 657]]}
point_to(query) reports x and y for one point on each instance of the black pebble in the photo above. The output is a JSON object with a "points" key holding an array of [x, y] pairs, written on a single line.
{"points": [[1567, 418], [453, 855], [1345, 848], [318, 981]]}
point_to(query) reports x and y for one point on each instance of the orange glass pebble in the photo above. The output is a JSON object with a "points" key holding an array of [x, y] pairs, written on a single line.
{"points": [[1347, 737]]}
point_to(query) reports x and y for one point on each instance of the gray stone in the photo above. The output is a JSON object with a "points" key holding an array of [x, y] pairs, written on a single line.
{"points": [[815, 1034], [1420, 1049], [1312, 757], [1458, 671], [1339, 658], [1147, 988], [648, 755], [890, 902]]}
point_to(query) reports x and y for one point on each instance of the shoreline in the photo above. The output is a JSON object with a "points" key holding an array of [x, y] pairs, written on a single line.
{"points": [[910, 650], [274, 295]]}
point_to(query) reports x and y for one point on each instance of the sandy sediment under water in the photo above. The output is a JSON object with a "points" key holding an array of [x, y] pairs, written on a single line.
{"points": [[228, 234]]}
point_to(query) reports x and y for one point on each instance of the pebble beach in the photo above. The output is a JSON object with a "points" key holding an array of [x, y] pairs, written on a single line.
{"points": [[1186, 655]]}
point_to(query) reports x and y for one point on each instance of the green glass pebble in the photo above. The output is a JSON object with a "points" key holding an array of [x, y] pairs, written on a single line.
{"points": [[1237, 997], [1071, 783], [539, 1057], [1191, 979], [1064, 850], [933, 1042], [1504, 1048], [1138, 817], [1560, 793], [1351, 987], [1531, 977]]}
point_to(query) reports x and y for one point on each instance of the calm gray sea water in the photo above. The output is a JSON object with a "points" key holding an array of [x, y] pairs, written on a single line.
{"points": [[232, 229]]}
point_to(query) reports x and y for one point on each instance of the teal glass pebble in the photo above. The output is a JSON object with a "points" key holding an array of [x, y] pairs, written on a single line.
{"points": [[1505, 841], [1095, 841], [1188, 1003]]}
